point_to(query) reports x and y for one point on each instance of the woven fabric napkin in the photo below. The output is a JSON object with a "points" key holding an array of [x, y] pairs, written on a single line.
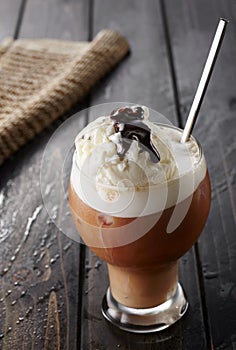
{"points": [[40, 79]]}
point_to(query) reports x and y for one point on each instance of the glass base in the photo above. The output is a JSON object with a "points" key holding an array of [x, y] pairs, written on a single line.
{"points": [[147, 320]]}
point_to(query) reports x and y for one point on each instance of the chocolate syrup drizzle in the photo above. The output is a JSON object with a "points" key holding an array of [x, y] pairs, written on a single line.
{"points": [[128, 121]]}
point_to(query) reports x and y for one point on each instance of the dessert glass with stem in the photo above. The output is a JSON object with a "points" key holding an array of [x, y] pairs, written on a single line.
{"points": [[141, 230]]}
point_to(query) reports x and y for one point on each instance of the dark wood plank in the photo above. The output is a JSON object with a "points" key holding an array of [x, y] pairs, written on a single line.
{"points": [[62, 19], [9, 15], [196, 23], [39, 266], [144, 78]]}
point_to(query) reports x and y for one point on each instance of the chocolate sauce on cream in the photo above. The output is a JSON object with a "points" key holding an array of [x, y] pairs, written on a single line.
{"points": [[128, 122]]}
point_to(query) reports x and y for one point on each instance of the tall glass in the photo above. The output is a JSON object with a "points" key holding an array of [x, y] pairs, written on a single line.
{"points": [[142, 251]]}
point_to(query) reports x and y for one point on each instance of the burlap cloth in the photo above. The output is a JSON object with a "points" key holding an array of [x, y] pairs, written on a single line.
{"points": [[41, 79]]}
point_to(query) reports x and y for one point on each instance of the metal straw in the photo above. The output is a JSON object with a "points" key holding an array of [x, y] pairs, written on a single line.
{"points": [[206, 74]]}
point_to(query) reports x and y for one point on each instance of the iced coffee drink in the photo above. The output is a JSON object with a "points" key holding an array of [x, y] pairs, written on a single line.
{"points": [[139, 199]]}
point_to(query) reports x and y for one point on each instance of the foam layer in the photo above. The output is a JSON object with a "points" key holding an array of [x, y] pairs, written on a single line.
{"points": [[134, 186]]}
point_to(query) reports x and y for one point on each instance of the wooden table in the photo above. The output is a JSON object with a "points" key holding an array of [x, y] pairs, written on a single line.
{"points": [[51, 287]]}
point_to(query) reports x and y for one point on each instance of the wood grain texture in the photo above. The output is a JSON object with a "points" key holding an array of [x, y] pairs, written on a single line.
{"points": [[215, 129], [8, 23], [39, 266], [145, 78], [64, 19]]}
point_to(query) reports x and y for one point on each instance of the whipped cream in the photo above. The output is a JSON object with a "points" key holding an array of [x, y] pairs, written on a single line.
{"points": [[133, 185]]}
